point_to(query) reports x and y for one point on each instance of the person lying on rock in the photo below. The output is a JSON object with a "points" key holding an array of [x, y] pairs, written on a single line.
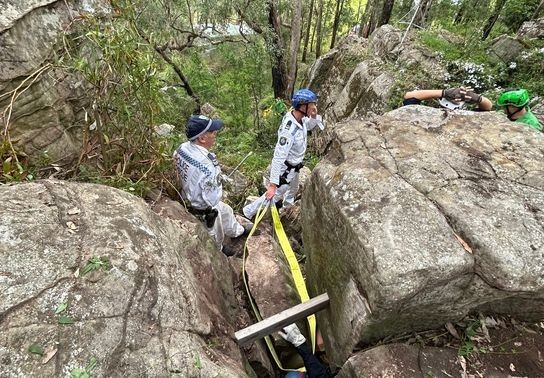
{"points": [[515, 103], [289, 151], [199, 174], [452, 98], [314, 368]]}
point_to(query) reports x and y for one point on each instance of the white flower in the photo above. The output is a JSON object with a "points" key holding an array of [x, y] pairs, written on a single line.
{"points": [[512, 65]]}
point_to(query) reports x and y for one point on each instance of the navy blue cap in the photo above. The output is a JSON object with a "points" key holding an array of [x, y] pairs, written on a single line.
{"points": [[199, 124]]}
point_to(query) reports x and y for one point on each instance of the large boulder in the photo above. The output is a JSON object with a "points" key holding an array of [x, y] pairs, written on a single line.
{"points": [[506, 48], [532, 29], [401, 361], [90, 272], [421, 217], [46, 105], [365, 86]]}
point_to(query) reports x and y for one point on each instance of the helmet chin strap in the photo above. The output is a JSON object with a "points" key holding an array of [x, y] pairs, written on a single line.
{"points": [[510, 115], [304, 114]]}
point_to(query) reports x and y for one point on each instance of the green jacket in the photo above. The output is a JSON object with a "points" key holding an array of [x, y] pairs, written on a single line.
{"points": [[530, 119]]}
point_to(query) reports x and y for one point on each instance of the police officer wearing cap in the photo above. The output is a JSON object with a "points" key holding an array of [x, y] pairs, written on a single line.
{"points": [[289, 151], [200, 176]]}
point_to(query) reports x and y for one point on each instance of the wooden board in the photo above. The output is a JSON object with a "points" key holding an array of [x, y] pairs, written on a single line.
{"points": [[278, 321]]}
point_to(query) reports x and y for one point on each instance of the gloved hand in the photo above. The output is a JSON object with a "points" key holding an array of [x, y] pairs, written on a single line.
{"points": [[292, 334], [455, 95], [473, 98]]}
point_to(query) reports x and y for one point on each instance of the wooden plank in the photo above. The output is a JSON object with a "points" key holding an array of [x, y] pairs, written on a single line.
{"points": [[278, 321]]}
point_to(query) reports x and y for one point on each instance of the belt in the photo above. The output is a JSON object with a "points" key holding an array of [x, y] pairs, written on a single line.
{"points": [[296, 167]]}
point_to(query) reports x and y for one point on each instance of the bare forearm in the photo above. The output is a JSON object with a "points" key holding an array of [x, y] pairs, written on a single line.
{"points": [[485, 104], [424, 94]]}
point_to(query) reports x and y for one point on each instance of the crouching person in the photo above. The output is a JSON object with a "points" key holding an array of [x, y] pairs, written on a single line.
{"points": [[199, 174]]}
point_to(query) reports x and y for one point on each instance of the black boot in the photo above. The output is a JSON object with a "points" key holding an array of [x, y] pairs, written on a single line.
{"points": [[228, 251]]}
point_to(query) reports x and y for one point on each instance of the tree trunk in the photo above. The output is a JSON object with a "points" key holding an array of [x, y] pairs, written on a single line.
{"points": [[377, 13], [538, 10], [294, 46], [319, 36], [461, 12], [307, 35], [423, 12], [386, 12], [279, 69], [336, 23], [493, 18]]}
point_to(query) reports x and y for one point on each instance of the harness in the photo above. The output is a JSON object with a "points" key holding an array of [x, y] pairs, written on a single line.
{"points": [[290, 167], [207, 215]]}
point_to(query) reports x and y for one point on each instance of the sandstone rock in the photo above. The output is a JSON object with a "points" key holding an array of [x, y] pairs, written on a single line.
{"points": [[48, 111], [365, 89], [506, 48], [384, 39], [401, 361], [161, 304], [421, 217], [272, 288], [532, 29]]}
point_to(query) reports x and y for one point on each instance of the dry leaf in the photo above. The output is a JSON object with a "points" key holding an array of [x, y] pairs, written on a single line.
{"points": [[71, 225], [485, 330], [48, 354], [512, 367], [73, 211], [76, 273], [463, 243], [451, 329], [463, 364]]}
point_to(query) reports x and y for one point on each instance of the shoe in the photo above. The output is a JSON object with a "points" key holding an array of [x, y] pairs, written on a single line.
{"points": [[228, 251]]}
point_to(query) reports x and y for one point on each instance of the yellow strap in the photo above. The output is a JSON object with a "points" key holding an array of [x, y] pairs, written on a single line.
{"points": [[295, 269], [258, 217]]}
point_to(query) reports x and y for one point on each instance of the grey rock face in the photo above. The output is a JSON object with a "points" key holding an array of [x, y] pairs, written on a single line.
{"points": [[48, 109], [532, 29], [506, 48], [401, 361], [163, 304], [421, 217], [364, 87]]}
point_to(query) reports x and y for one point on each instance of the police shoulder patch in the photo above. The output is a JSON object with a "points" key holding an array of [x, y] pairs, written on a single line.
{"points": [[283, 140]]}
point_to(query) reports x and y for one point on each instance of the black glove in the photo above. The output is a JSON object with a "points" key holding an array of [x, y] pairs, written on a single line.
{"points": [[210, 217], [455, 95], [473, 97]]}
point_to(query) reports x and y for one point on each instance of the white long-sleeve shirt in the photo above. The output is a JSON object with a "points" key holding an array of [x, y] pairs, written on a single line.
{"points": [[291, 146], [199, 174]]}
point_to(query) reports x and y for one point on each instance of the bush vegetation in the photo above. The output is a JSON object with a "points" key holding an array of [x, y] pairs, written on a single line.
{"points": [[135, 67]]}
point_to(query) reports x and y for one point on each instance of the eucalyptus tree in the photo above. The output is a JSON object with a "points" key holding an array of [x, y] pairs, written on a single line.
{"points": [[377, 13]]}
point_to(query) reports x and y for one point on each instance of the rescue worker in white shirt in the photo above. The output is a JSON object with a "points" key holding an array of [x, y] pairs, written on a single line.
{"points": [[199, 174], [289, 151]]}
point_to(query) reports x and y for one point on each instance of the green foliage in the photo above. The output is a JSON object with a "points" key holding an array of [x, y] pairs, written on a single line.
{"points": [[66, 320], [61, 308], [515, 12], [14, 167], [95, 263], [467, 346], [197, 362], [36, 349], [86, 371]]}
